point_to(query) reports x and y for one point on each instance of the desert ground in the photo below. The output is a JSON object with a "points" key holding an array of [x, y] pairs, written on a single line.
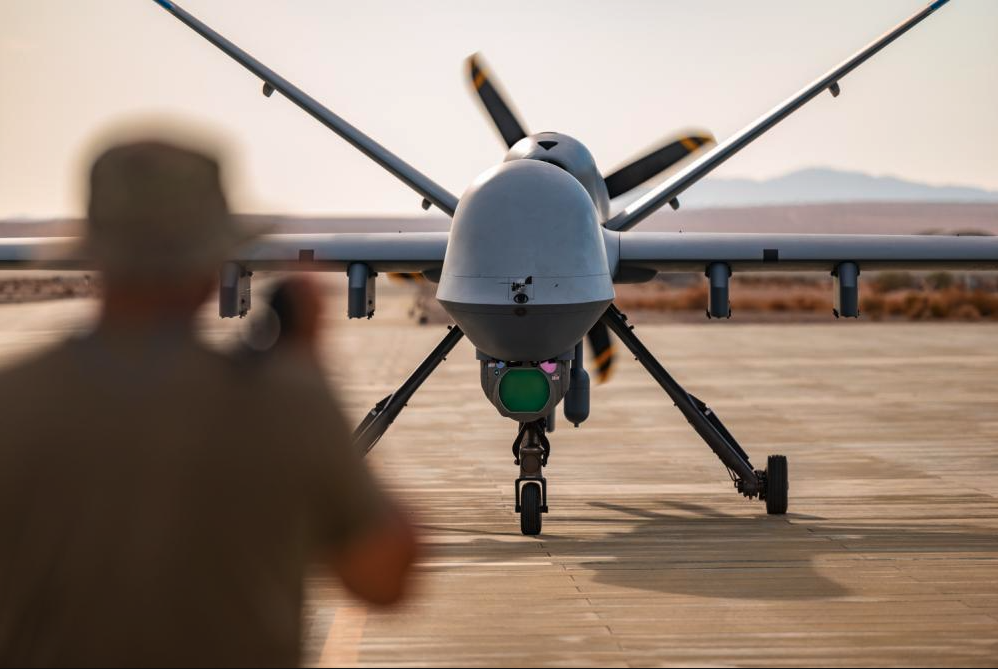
{"points": [[889, 554]]}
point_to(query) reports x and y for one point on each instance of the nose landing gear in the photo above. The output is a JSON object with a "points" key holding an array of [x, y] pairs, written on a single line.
{"points": [[530, 451]]}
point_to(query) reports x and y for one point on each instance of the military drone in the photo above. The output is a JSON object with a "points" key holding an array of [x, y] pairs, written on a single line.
{"points": [[529, 265]]}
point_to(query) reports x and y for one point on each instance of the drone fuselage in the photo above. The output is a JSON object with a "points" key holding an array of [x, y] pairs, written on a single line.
{"points": [[526, 274]]}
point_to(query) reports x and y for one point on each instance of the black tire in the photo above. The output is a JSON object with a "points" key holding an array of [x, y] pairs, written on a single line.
{"points": [[530, 509], [777, 485]]}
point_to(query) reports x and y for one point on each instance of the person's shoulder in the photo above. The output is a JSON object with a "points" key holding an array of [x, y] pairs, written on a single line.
{"points": [[45, 366], [51, 355]]}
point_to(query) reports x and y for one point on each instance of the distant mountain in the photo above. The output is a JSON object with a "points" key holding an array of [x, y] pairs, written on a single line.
{"points": [[823, 186], [888, 218], [810, 200]]}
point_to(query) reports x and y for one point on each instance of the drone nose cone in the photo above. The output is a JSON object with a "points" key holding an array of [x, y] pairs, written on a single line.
{"points": [[523, 216], [526, 272]]}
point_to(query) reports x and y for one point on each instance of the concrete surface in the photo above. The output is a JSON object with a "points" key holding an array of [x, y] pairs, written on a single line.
{"points": [[889, 554]]}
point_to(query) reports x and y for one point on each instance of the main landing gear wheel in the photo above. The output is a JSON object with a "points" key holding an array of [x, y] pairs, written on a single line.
{"points": [[777, 485], [530, 509]]}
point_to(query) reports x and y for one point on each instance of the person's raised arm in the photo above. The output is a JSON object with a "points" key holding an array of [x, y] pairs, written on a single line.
{"points": [[360, 532]]}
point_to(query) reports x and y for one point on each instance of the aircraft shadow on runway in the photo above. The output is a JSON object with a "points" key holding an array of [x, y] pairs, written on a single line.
{"points": [[688, 548]]}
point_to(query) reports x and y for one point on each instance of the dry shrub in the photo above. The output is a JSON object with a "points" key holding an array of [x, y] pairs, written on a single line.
{"points": [[889, 282], [967, 312], [895, 306], [768, 280], [939, 281], [47, 288], [873, 306], [642, 303], [985, 303], [693, 299], [939, 306], [915, 305], [810, 302], [952, 303], [745, 303], [951, 299]]}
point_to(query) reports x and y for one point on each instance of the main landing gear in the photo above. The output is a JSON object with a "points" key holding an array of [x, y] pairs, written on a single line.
{"points": [[532, 448], [384, 413], [770, 485]]}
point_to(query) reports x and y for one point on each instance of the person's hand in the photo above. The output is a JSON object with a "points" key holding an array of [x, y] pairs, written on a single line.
{"points": [[297, 305], [376, 567]]}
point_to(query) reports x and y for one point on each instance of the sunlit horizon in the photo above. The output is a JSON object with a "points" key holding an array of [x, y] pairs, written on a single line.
{"points": [[619, 77]]}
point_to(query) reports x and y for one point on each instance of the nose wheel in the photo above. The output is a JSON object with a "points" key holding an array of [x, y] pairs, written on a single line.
{"points": [[531, 450], [531, 507]]}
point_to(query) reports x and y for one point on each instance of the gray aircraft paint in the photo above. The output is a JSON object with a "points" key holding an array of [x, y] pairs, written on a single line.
{"points": [[648, 252], [530, 224], [692, 252], [570, 155]]}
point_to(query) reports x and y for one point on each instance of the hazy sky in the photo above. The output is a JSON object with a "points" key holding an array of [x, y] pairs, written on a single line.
{"points": [[617, 75]]}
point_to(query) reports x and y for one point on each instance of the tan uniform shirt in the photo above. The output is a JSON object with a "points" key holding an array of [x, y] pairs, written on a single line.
{"points": [[159, 503]]}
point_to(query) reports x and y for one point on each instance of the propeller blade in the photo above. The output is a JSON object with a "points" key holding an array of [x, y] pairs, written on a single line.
{"points": [[489, 92], [641, 170], [599, 340], [406, 277]]}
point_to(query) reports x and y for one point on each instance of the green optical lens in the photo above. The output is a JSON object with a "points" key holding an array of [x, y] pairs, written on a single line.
{"points": [[524, 390]]}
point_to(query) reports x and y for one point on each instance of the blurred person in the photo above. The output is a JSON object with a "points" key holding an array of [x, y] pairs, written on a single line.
{"points": [[160, 502], [297, 303], [289, 321]]}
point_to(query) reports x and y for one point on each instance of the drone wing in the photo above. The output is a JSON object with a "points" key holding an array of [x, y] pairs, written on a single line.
{"points": [[411, 252], [419, 182], [56, 253], [416, 252], [669, 190], [746, 252]]}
